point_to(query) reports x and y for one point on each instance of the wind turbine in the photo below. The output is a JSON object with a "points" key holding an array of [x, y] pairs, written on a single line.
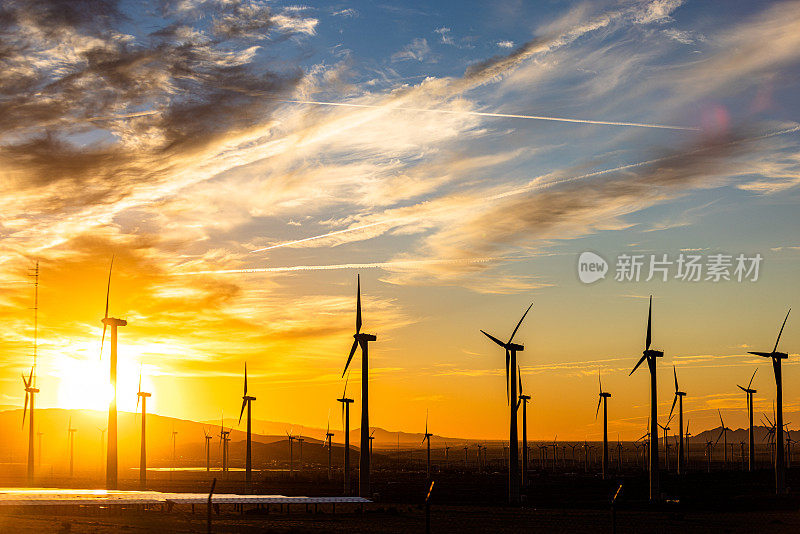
{"points": [[603, 398], [362, 340], [141, 395], [523, 399], [371, 439], [651, 356], [666, 428], [291, 437], [723, 433], [776, 358], [174, 447], [208, 437], [111, 451], [329, 439], [679, 399], [346, 416], [30, 393], [751, 451], [223, 441], [427, 438], [511, 362], [71, 432], [247, 401], [30, 384], [300, 440]]}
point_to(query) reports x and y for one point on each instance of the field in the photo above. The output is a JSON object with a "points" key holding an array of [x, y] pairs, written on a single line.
{"points": [[720, 501]]}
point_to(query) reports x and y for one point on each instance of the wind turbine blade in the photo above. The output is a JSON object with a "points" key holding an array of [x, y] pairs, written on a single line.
{"points": [[638, 364], [358, 304], [740, 387], [599, 381], [103, 339], [751, 378], [675, 374], [244, 403], [721, 422], [674, 400], [764, 354], [494, 339], [781, 332], [720, 436], [520, 322], [599, 400], [344, 392], [426, 422], [138, 398], [30, 379], [350, 357], [519, 371], [108, 287], [649, 317], [245, 378], [25, 410]]}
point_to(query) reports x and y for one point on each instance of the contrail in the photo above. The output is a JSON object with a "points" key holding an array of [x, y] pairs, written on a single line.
{"points": [[534, 186], [489, 114], [374, 265], [286, 244]]}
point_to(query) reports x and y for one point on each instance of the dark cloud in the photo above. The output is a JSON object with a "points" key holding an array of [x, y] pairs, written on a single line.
{"points": [[573, 208], [70, 67]]}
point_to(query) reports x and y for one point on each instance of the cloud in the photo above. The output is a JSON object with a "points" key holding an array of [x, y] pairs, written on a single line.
{"points": [[417, 50], [656, 11], [505, 44], [347, 13], [444, 34]]}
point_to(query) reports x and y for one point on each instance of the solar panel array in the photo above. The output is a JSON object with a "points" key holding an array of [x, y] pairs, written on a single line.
{"points": [[65, 497]]}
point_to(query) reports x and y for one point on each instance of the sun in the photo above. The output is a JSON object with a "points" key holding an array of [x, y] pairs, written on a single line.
{"points": [[84, 381]]}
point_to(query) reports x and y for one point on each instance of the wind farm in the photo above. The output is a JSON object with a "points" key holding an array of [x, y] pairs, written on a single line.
{"points": [[303, 228]]}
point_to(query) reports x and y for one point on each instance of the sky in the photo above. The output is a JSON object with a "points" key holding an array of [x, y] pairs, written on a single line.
{"points": [[244, 161]]}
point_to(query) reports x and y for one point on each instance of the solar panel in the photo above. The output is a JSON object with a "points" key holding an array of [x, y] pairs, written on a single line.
{"points": [[64, 497]]}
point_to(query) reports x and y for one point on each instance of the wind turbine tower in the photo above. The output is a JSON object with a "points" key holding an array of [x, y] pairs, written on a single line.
{"points": [[679, 395], [142, 396], [651, 356], [603, 398], [776, 357], [362, 340], [427, 438], [523, 400], [511, 362], [71, 431], [30, 392], [329, 439], [751, 451], [346, 402], [111, 453], [247, 401], [208, 437]]}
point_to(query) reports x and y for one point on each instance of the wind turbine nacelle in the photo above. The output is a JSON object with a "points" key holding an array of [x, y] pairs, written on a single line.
{"points": [[365, 337], [111, 321], [654, 353], [143, 394], [514, 347]]}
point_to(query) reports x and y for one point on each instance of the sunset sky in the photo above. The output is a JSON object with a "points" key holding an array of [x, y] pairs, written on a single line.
{"points": [[184, 136]]}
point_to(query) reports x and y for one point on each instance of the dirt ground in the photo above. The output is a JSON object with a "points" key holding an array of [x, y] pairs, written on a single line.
{"points": [[402, 519]]}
